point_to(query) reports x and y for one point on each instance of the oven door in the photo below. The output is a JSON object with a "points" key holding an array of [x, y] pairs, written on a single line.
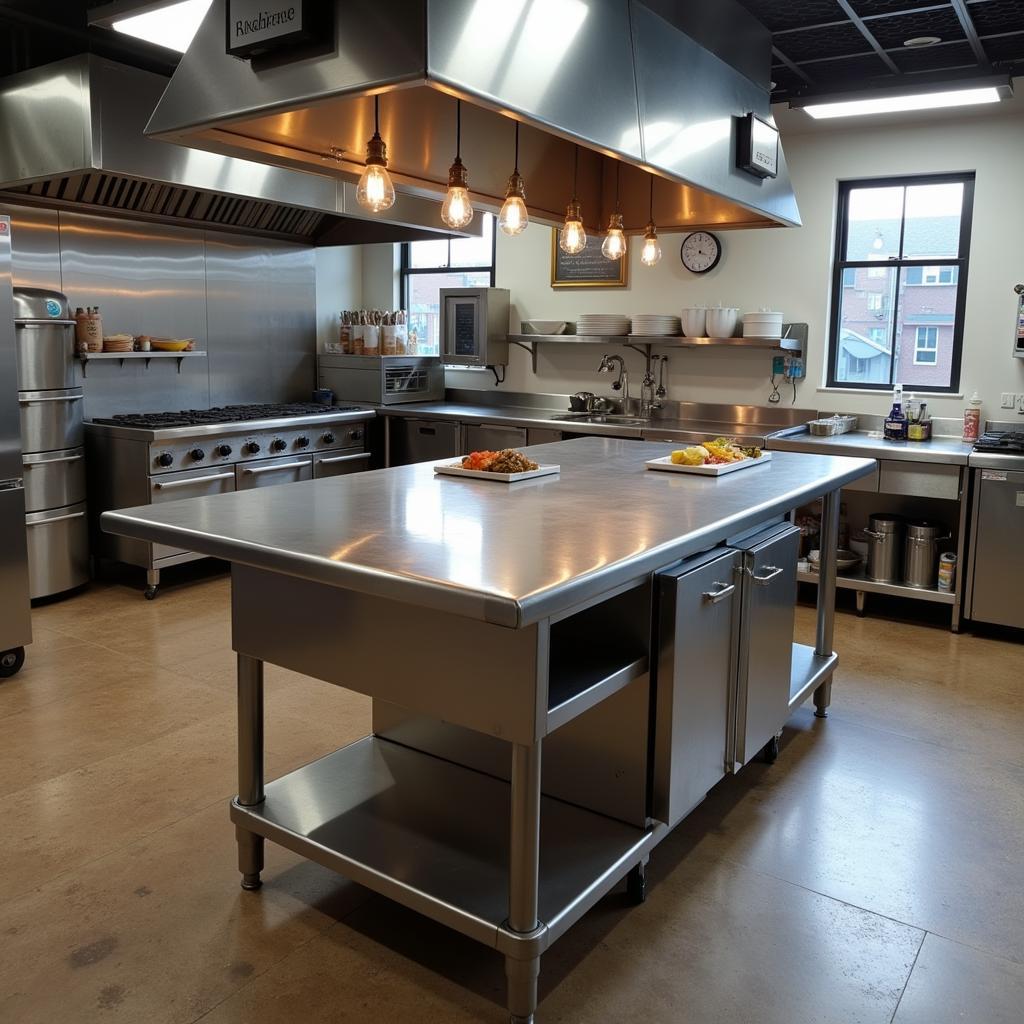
{"points": [[191, 483], [269, 472], [340, 463]]}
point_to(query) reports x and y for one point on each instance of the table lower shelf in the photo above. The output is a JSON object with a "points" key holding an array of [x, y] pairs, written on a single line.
{"points": [[858, 581], [808, 672], [434, 836]]}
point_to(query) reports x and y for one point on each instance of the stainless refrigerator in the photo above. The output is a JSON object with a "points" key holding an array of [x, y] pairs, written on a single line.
{"points": [[15, 611]]}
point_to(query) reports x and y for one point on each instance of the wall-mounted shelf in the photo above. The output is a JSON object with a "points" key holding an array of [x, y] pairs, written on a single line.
{"points": [[122, 357], [795, 341]]}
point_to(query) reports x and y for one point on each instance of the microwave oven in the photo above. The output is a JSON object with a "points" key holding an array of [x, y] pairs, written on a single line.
{"points": [[474, 326]]}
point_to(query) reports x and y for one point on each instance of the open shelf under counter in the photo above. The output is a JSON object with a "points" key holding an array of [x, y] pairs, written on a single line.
{"points": [[434, 836], [858, 581], [122, 357]]}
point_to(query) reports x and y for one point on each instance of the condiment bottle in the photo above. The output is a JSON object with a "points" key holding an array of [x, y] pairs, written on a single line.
{"points": [[895, 428], [972, 419], [93, 326]]}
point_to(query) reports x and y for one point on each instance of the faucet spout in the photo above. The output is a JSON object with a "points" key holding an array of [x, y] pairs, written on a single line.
{"points": [[622, 383]]}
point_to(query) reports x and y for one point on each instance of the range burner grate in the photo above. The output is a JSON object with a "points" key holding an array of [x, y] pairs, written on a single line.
{"points": [[221, 414], [1011, 442]]}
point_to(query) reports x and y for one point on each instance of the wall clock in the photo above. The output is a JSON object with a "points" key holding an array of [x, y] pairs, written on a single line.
{"points": [[700, 252]]}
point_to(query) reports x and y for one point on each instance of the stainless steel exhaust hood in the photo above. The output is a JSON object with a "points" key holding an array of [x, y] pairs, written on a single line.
{"points": [[653, 87], [71, 134]]}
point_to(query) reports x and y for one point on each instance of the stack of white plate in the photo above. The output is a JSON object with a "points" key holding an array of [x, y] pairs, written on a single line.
{"points": [[610, 324], [656, 325]]}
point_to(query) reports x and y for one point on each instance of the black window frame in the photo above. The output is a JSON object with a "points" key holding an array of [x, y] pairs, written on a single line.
{"points": [[840, 264], [406, 270]]}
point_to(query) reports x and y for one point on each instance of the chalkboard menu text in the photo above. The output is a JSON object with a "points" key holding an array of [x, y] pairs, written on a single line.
{"points": [[586, 269]]}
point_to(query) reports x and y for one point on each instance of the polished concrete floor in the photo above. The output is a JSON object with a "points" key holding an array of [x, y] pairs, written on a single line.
{"points": [[873, 874]]}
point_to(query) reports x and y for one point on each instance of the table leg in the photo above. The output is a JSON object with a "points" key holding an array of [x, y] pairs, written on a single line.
{"points": [[829, 544], [250, 764], [524, 873]]}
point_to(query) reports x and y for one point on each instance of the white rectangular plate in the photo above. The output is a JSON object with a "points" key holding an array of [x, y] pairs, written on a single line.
{"points": [[667, 465], [505, 478]]}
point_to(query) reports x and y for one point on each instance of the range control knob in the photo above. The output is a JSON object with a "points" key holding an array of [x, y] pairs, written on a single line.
{"points": [[278, 445], [357, 435], [224, 450], [252, 447], [328, 438], [165, 459], [197, 454], [302, 442]]}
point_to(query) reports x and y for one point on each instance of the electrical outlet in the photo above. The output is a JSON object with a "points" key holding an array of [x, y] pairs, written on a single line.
{"points": [[1007, 400], [779, 367], [794, 367]]}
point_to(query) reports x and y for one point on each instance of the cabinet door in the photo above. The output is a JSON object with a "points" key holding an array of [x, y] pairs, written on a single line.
{"points": [[697, 621], [492, 437], [270, 472], [339, 463], [542, 435], [766, 638], [422, 440]]}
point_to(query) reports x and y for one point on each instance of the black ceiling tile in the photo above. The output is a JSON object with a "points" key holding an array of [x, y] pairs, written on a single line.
{"points": [[891, 32], [786, 82], [935, 58], [782, 14], [866, 8], [848, 72], [996, 16], [827, 41], [1005, 49]]}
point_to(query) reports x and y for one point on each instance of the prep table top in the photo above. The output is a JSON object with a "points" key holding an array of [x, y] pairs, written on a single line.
{"points": [[507, 554], [943, 450]]}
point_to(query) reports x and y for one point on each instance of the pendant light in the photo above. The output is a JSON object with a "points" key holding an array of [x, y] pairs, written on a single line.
{"points": [[614, 245], [573, 238], [514, 216], [375, 190], [457, 210], [650, 255]]}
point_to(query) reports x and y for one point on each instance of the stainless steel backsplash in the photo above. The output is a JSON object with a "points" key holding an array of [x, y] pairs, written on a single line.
{"points": [[249, 304]]}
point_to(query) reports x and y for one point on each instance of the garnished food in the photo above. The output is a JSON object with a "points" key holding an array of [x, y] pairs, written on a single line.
{"points": [[506, 461], [715, 453]]}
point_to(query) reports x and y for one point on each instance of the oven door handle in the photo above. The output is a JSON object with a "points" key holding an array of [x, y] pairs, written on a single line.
{"points": [[161, 485], [343, 458], [274, 469]]}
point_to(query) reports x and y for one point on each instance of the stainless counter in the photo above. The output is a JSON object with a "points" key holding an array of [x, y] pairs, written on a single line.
{"points": [[509, 555], [950, 451]]}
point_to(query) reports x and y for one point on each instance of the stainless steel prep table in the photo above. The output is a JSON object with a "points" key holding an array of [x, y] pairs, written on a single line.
{"points": [[444, 597]]}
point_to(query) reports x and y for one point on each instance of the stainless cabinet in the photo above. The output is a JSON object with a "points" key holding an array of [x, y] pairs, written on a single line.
{"points": [[542, 435], [920, 480], [416, 440], [191, 483], [340, 463], [697, 629], [997, 549], [58, 550], [492, 437], [766, 638], [270, 472]]}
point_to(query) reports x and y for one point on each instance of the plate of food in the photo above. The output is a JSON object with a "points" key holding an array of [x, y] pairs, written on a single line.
{"points": [[711, 458], [506, 466]]}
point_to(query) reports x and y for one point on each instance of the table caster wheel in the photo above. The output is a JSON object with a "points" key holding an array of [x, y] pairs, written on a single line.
{"points": [[151, 593], [11, 661], [636, 885], [770, 751]]}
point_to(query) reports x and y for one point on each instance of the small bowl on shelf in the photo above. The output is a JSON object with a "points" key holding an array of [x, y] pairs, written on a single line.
{"points": [[170, 344], [543, 326], [846, 560]]}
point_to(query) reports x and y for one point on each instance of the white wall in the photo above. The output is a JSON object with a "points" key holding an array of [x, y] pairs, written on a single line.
{"points": [[339, 285], [790, 269]]}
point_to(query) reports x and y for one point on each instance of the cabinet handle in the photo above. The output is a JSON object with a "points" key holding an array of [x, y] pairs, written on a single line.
{"points": [[343, 458], [714, 596], [274, 469], [51, 462], [763, 581], [58, 398], [56, 519], [192, 481]]}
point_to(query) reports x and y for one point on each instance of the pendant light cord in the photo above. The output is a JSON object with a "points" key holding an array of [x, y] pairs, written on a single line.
{"points": [[618, 169], [376, 115], [575, 171], [458, 129], [517, 148], [652, 198]]}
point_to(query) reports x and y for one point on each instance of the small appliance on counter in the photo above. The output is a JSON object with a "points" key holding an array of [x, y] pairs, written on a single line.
{"points": [[382, 380], [15, 613], [53, 441], [474, 326]]}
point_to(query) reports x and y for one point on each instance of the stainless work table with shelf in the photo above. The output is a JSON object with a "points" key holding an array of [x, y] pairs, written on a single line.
{"points": [[925, 479], [489, 622]]}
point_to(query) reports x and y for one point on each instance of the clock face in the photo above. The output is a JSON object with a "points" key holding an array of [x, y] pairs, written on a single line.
{"points": [[700, 252]]}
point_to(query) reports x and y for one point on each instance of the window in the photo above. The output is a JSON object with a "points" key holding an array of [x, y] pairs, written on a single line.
{"points": [[926, 346], [906, 240], [429, 266]]}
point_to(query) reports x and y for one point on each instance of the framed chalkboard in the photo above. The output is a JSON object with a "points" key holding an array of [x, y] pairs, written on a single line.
{"points": [[587, 269]]}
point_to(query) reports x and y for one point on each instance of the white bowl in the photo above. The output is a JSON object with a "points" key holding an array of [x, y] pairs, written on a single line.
{"points": [[543, 326], [722, 322], [694, 321], [762, 325]]}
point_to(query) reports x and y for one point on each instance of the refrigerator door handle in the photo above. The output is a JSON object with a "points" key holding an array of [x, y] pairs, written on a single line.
{"points": [[58, 398], [56, 519], [51, 462]]}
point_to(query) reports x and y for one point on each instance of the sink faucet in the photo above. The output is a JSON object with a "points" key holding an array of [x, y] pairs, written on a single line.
{"points": [[622, 384]]}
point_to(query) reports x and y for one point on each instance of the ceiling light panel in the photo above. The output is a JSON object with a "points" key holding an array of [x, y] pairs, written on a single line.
{"points": [[894, 104], [172, 26]]}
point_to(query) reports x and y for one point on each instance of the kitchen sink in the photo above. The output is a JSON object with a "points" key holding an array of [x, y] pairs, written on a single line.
{"points": [[600, 417]]}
